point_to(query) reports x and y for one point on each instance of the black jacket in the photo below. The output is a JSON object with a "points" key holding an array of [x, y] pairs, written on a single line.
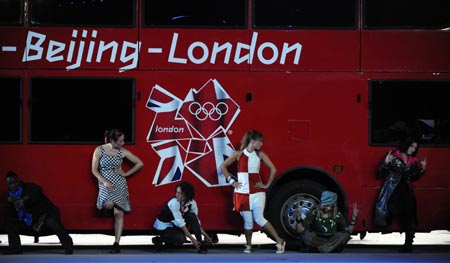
{"points": [[395, 172], [37, 204]]}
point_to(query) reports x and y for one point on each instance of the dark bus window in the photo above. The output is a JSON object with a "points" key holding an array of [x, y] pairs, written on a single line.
{"points": [[11, 110], [196, 13], [11, 12], [80, 110], [416, 108], [324, 14], [103, 13], [406, 14]]}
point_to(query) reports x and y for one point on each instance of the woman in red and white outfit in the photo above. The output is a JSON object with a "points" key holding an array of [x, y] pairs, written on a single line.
{"points": [[249, 191]]}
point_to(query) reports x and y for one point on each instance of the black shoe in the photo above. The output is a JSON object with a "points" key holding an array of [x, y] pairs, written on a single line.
{"points": [[202, 251], [158, 243], [215, 238], [203, 248], [13, 251], [405, 249], [68, 251], [338, 249], [115, 249]]}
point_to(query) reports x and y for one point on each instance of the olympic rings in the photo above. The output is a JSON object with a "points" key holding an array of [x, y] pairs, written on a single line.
{"points": [[208, 110]]}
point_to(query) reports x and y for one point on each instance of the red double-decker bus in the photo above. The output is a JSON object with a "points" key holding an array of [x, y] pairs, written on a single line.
{"points": [[332, 85]]}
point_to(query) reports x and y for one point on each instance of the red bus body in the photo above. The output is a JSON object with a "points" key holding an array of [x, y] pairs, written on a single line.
{"points": [[312, 109]]}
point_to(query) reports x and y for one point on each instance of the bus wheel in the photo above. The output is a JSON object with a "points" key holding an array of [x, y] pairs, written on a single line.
{"points": [[282, 209]]}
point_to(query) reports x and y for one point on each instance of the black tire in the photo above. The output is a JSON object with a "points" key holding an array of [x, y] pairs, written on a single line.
{"points": [[281, 211]]}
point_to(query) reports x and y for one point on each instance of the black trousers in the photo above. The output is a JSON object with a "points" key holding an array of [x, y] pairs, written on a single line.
{"points": [[52, 225], [335, 242], [175, 236]]}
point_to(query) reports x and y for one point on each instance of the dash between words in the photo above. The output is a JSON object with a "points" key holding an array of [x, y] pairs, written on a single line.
{"points": [[86, 47]]}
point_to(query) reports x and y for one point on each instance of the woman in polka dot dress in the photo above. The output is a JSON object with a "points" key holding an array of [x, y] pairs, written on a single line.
{"points": [[112, 183]]}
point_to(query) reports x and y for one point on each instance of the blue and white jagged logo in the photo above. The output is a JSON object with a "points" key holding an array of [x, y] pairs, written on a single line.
{"points": [[191, 133]]}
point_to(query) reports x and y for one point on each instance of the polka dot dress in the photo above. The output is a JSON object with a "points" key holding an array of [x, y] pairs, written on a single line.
{"points": [[107, 168]]}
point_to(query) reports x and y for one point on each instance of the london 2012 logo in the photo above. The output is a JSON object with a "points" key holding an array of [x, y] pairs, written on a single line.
{"points": [[191, 133]]}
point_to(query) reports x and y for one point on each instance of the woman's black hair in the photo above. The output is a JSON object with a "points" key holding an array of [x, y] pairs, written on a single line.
{"points": [[406, 143], [113, 135], [187, 189]]}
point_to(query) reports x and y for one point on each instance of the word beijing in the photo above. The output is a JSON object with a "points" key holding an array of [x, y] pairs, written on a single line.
{"points": [[85, 49]]}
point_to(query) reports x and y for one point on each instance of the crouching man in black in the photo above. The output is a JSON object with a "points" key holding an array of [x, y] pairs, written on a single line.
{"points": [[30, 212]]}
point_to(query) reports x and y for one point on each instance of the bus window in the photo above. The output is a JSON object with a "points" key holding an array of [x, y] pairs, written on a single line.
{"points": [[182, 13], [406, 14], [106, 13], [10, 12], [416, 108], [79, 110], [340, 14], [11, 110]]}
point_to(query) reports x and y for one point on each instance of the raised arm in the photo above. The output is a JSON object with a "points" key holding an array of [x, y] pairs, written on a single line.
{"points": [[383, 169], [224, 167], [266, 160], [303, 221], [134, 159], [419, 171], [351, 226]]}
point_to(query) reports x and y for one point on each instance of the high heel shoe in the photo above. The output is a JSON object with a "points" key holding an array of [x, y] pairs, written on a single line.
{"points": [[115, 249], [248, 249], [280, 247]]}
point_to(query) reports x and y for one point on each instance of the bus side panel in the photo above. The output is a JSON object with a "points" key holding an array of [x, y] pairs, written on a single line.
{"points": [[405, 51]]}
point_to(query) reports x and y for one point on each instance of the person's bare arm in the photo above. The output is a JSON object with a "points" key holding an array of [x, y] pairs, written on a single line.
{"points": [[186, 232], [351, 226], [224, 167], [207, 237], [266, 160], [94, 169], [134, 159], [299, 220]]}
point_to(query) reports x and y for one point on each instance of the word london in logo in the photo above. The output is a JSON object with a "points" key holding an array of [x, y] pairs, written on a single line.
{"points": [[172, 128]]}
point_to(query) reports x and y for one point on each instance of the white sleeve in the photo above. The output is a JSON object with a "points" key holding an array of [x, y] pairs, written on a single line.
{"points": [[174, 207]]}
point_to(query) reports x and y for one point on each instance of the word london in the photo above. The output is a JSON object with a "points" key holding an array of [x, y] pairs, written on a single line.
{"points": [[172, 129]]}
